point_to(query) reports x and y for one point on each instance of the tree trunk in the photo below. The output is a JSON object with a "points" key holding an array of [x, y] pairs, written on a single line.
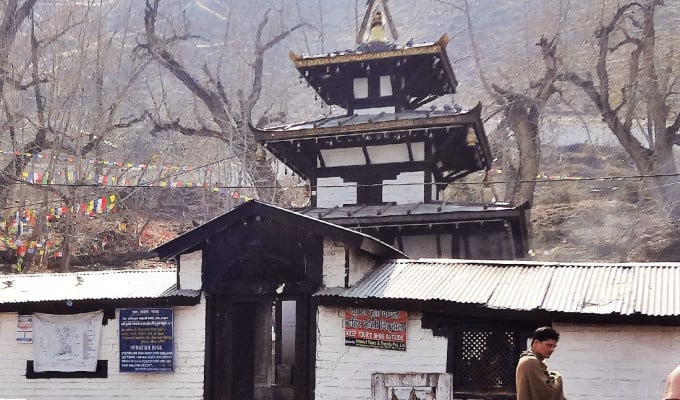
{"points": [[642, 98]]}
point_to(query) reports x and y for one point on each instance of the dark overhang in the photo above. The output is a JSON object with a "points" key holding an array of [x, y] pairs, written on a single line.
{"points": [[423, 213], [86, 305], [427, 217]]}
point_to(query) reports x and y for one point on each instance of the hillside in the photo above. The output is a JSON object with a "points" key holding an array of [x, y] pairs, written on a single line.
{"points": [[600, 220]]}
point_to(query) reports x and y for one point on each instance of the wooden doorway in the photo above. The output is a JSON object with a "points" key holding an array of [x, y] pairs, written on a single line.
{"points": [[259, 348]]}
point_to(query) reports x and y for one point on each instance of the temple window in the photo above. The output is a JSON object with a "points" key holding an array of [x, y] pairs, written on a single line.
{"points": [[385, 85], [360, 88]]}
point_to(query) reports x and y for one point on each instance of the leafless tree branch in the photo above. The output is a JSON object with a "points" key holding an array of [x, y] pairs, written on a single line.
{"points": [[184, 130]]}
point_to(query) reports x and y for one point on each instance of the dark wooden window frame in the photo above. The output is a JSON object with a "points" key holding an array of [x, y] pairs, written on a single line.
{"points": [[477, 334], [455, 329], [101, 372]]}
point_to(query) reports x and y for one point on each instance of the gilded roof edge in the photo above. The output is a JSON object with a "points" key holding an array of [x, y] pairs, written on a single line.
{"points": [[312, 61]]}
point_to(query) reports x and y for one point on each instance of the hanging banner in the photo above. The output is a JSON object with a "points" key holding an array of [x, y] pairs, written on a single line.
{"points": [[66, 343], [146, 340], [379, 329]]}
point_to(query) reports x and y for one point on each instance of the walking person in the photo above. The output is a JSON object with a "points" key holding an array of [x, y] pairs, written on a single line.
{"points": [[533, 379]]}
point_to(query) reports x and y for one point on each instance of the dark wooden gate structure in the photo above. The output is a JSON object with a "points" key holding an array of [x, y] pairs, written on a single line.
{"points": [[260, 266]]}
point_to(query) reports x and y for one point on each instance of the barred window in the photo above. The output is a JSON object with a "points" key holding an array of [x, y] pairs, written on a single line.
{"points": [[483, 359]]}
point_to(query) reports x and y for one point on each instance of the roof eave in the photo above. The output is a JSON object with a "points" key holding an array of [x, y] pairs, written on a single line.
{"points": [[302, 62], [92, 304], [437, 121], [198, 235]]}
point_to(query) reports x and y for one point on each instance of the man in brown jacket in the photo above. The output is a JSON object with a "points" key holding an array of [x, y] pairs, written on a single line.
{"points": [[534, 381]]}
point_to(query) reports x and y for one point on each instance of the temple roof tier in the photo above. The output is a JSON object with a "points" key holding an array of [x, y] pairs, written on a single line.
{"points": [[451, 144], [417, 73]]}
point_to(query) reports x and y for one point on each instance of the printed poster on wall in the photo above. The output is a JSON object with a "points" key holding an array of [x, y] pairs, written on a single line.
{"points": [[24, 328], [66, 343], [146, 340], [379, 329]]}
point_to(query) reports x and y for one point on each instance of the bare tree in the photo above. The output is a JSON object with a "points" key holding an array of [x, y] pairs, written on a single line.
{"points": [[102, 77], [638, 103], [14, 16], [61, 91], [521, 113], [230, 114]]}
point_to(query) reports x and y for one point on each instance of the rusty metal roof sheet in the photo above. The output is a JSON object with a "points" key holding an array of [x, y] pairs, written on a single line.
{"points": [[651, 289], [95, 285]]}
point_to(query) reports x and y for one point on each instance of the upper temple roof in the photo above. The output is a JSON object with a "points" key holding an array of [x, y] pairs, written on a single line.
{"points": [[414, 73]]}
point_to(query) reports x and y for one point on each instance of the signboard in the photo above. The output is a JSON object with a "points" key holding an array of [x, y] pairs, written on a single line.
{"points": [[146, 340], [379, 329], [25, 328]]}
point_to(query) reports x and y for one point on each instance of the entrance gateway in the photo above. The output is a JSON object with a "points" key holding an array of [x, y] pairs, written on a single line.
{"points": [[260, 266]]}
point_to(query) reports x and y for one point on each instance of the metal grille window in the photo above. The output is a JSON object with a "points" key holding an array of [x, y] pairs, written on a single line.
{"points": [[483, 360]]}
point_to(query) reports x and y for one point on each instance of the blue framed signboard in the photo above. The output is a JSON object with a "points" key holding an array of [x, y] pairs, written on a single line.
{"points": [[146, 340]]}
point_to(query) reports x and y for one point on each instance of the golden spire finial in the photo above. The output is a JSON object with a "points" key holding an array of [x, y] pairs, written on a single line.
{"points": [[378, 14], [377, 29]]}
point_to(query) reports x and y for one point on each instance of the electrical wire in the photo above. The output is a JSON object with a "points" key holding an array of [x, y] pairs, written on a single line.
{"points": [[548, 179], [153, 184]]}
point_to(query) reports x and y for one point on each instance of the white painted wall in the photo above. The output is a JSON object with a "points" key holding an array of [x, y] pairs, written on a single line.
{"points": [[185, 383], [360, 262], [333, 274], [191, 270], [406, 189], [332, 192], [344, 372], [597, 362], [615, 361]]}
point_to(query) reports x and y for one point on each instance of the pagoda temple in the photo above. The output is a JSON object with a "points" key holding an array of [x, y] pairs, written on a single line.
{"points": [[383, 165]]}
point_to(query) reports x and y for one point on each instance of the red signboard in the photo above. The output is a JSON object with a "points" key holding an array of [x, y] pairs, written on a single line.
{"points": [[379, 329]]}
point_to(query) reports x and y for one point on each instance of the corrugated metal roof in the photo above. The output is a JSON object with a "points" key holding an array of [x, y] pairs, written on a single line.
{"points": [[651, 289], [95, 285]]}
